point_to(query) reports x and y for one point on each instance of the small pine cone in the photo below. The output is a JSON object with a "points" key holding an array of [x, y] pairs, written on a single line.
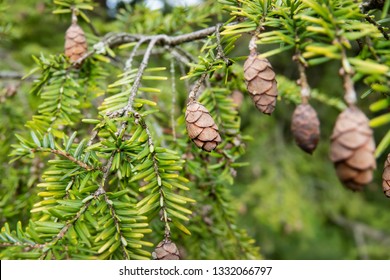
{"points": [[201, 127], [166, 250], [352, 149], [386, 177], [261, 84], [305, 127], [75, 42], [237, 97]]}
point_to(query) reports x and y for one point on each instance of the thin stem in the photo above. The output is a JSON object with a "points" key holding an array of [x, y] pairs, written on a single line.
{"points": [[183, 73], [173, 100], [117, 225], [252, 43], [9, 75], [350, 93], [373, 233], [163, 214], [193, 93], [192, 96], [66, 155], [346, 72], [377, 25], [115, 39], [305, 88], [65, 229], [74, 16], [183, 59], [141, 69], [129, 61], [129, 107], [220, 51]]}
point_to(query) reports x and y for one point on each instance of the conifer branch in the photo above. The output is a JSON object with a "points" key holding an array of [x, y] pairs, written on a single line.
{"points": [[65, 155], [141, 69], [133, 53], [367, 230], [220, 52], [192, 96], [173, 99], [371, 20], [116, 39], [65, 229], [24, 245], [163, 213], [117, 225], [10, 75]]}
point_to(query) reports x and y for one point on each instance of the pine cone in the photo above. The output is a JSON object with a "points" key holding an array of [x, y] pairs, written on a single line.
{"points": [[237, 97], [386, 177], [75, 42], [166, 250], [201, 127], [305, 127], [261, 84], [352, 149]]}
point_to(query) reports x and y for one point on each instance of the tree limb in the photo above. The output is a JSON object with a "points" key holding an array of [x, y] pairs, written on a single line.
{"points": [[66, 155], [10, 75], [113, 40], [368, 231]]}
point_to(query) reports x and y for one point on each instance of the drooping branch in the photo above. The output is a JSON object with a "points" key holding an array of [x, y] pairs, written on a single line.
{"points": [[64, 229], [369, 231], [113, 40], [10, 75], [220, 52], [173, 99], [141, 69], [382, 30], [117, 225]]}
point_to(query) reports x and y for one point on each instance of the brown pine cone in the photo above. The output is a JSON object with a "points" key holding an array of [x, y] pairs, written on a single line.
{"points": [[166, 250], [305, 127], [386, 177], [352, 149], [75, 42], [201, 127], [261, 84], [237, 97]]}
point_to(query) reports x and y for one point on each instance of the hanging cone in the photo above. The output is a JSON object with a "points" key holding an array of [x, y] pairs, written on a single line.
{"points": [[201, 127], [352, 149], [261, 84], [237, 97], [75, 42], [166, 250], [305, 127], [386, 177]]}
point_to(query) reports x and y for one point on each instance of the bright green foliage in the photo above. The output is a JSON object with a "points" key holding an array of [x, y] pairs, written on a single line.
{"points": [[104, 168]]}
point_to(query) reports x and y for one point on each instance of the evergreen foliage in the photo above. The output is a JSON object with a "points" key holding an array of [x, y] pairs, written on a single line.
{"points": [[105, 169]]}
